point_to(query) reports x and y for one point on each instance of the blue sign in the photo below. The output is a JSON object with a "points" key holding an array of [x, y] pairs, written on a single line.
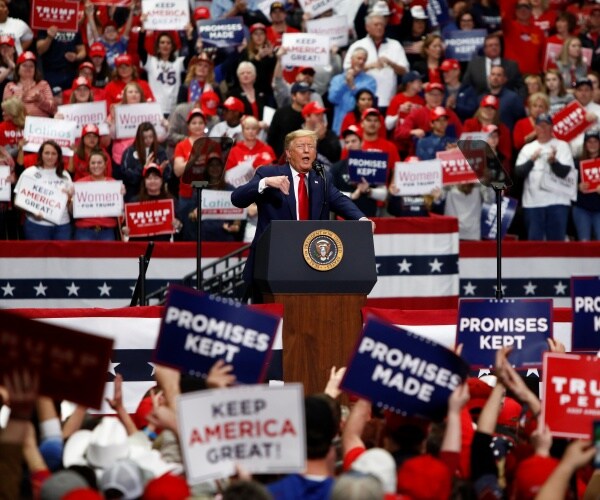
{"points": [[484, 326], [369, 165], [437, 10], [508, 207], [403, 372], [585, 297], [221, 32], [462, 45], [198, 329]]}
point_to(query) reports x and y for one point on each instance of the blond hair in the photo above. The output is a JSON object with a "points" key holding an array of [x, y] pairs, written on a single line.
{"points": [[298, 134], [16, 109]]}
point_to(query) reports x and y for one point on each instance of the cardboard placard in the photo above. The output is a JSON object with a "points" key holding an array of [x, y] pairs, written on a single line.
{"points": [[305, 49], [63, 14], [590, 173], [38, 129], [417, 178], [5, 186], [240, 174], [508, 207], [39, 197], [84, 113], [369, 165], [97, 199], [335, 27], [165, 15], [585, 300], [150, 218], [316, 7], [570, 121], [462, 45], [129, 116], [455, 168], [217, 205], [221, 33]]}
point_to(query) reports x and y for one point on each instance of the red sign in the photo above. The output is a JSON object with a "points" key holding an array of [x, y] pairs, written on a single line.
{"points": [[149, 218], [455, 168], [590, 174], [70, 365], [122, 3], [571, 394], [60, 13], [570, 121]]}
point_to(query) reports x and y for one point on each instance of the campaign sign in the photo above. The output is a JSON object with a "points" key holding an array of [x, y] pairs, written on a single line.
{"points": [[217, 205], [571, 394], [418, 178], [316, 7], [150, 218], [261, 428], [462, 45], [585, 299], [240, 174], [97, 199], [165, 14], [590, 174], [566, 186], [437, 11], [198, 329], [336, 28], [402, 371], [486, 325], [369, 165], [4, 183], [39, 197], [60, 13], [84, 113], [221, 32], [129, 116], [68, 364], [570, 121], [305, 49], [39, 129], [508, 207], [455, 168]]}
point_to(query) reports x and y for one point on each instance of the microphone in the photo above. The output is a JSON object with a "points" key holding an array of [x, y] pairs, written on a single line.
{"points": [[319, 168]]}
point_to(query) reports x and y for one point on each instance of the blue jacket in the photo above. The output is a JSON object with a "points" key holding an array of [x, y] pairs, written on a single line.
{"points": [[344, 98], [429, 145]]}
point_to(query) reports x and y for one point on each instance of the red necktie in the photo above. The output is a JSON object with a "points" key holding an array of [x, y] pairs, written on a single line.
{"points": [[303, 211]]}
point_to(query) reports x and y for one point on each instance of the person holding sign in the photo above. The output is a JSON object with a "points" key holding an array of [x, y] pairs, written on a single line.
{"points": [[586, 210], [250, 148], [436, 140], [49, 170], [90, 141], [125, 73]]}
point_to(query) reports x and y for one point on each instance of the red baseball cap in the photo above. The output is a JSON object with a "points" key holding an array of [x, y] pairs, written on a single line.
{"points": [[123, 59], [26, 56], [167, 486], [195, 112], [431, 86], [257, 26], [491, 101], [437, 113], [209, 102], [307, 70], [352, 129], [449, 64], [370, 111], [201, 13], [234, 104], [88, 65], [531, 474], [97, 50], [424, 477], [312, 108], [152, 166], [202, 57], [7, 40], [90, 128], [81, 81]]}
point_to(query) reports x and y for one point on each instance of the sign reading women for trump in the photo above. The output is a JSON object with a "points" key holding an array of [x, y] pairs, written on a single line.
{"points": [[368, 165], [217, 205], [129, 116], [484, 326], [305, 49], [197, 330], [402, 371], [417, 178], [571, 389], [261, 428], [222, 32], [39, 197], [97, 199], [84, 113], [165, 14], [240, 174], [585, 296]]}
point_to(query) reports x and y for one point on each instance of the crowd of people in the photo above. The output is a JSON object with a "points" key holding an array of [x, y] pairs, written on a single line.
{"points": [[392, 89]]}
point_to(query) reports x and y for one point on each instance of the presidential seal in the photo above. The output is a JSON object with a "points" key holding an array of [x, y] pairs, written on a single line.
{"points": [[323, 250]]}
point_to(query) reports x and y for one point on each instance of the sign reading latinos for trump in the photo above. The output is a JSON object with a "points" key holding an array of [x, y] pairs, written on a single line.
{"points": [[570, 121], [39, 197], [198, 329], [39, 129], [60, 13], [129, 116], [418, 178], [240, 174], [402, 371], [336, 28], [97, 199], [305, 49], [590, 174], [4, 183], [462, 45], [585, 298], [261, 428], [217, 205], [59, 358], [484, 326], [150, 218], [316, 7], [84, 113], [571, 389], [508, 207], [368, 165], [222, 32], [165, 14], [455, 168]]}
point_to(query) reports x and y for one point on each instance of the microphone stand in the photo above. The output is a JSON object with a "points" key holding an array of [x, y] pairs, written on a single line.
{"points": [[498, 187], [320, 169]]}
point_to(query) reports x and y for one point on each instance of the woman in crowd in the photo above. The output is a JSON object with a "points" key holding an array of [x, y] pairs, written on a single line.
{"points": [[125, 73], [11, 126], [8, 58], [570, 62], [81, 91], [49, 169], [144, 150], [97, 55], [594, 77], [96, 228], [365, 99], [557, 93], [406, 100], [533, 84], [31, 88], [432, 55], [250, 93], [586, 210], [564, 27], [90, 141], [259, 52], [250, 148], [200, 78], [524, 131]]}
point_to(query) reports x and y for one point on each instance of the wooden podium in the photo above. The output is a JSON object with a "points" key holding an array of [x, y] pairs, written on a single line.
{"points": [[321, 271]]}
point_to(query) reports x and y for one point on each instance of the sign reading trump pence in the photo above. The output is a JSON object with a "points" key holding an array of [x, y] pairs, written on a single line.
{"points": [[571, 389], [261, 428], [197, 330], [305, 49], [149, 218], [484, 326], [585, 297], [402, 371]]}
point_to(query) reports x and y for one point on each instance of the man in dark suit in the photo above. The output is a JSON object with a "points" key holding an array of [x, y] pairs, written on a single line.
{"points": [[479, 68], [276, 191]]}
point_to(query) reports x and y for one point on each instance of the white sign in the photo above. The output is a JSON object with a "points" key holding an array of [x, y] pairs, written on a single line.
{"points": [[304, 49], [566, 186], [165, 14], [39, 197], [129, 116], [474, 136], [260, 428], [38, 129], [84, 113], [97, 199], [4, 183], [418, 178], [316, 7], [336, 28], [240, 174], [217, 205]]}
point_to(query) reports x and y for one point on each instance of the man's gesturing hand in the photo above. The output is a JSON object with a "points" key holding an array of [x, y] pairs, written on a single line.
{"points": [[280, 182]]}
